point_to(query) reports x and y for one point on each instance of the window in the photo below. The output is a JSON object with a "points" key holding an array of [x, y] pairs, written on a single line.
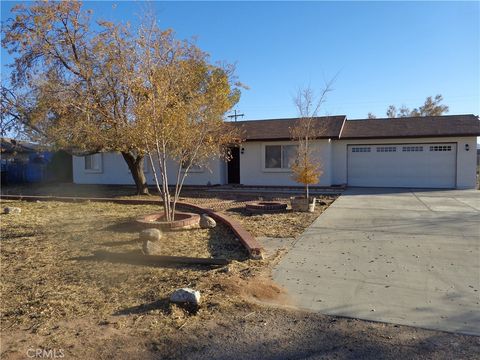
{"points": [[193, 168], [280, 156], [386, 149], [289, 155], [360, 149], [441, 148], [412, 148], [93, 163]]}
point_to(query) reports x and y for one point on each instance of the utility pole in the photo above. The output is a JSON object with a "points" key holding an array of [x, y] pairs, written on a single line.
{"points": [[235, 115]]}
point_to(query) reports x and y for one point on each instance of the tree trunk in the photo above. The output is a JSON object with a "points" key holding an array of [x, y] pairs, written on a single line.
{"points": [[135, 165]]}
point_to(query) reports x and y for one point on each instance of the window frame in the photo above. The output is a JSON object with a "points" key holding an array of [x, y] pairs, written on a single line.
{"points": [[441, 148], [100, 164], [361, 149], [386, 149], [412, 148], [264, 160]]}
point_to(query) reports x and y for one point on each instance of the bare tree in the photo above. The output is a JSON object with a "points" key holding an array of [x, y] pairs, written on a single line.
{"points": [[307, 168]]}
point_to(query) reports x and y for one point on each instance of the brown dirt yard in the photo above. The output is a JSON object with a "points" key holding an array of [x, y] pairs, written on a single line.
{"points": [[57, 297]]}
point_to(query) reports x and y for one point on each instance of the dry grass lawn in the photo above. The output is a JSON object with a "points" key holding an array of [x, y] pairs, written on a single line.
{"points": [[284, 224], [57, 296], [49, 279]]}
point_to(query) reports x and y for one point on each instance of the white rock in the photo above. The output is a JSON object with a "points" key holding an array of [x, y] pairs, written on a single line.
{"points": [[150, 235], [186, 295], [12, 210], [206, 222], [151, 248]]}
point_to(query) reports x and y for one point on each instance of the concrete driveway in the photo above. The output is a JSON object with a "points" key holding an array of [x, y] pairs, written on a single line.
{"points": [[391, 255]]}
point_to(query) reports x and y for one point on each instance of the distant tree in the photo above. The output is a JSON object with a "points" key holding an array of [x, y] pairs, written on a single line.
{"points": [[392, 111], [371, 115], [431, 107]]}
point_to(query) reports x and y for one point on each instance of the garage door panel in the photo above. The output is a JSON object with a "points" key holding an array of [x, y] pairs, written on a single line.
{"points": [[403, 165]]}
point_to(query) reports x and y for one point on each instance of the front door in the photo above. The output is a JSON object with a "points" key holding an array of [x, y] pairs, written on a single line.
{"points": [[233, 168]]}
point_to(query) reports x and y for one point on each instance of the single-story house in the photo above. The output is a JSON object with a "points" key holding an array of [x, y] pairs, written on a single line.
{"points": [[420, 152]]}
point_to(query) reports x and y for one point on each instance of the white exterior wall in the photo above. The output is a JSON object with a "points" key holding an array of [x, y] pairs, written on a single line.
{"points": [[252, 164], [114, 171], [332, 156], [466, 163], [465, 160]]}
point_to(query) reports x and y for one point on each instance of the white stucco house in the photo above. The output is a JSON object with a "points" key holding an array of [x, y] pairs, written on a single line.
{"points": [[418, 152]]}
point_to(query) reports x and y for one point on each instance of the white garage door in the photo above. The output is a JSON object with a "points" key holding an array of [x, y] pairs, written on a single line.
{"points": [[404, 165]]}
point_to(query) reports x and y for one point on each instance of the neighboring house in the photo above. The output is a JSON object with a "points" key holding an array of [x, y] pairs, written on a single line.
{"points": [[422, 152], [25, 162]]}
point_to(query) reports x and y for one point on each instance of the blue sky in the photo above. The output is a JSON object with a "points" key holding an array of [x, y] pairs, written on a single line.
{"points": [[384, 52]]}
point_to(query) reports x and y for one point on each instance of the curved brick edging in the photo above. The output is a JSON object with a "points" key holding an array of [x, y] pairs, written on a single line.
{"points": [[183, 220], [251, 244], [265, 206]]}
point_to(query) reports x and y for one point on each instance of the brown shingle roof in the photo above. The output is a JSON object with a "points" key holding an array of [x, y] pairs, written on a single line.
{"points": [[331, 127], [451, 125], [279, 129]]}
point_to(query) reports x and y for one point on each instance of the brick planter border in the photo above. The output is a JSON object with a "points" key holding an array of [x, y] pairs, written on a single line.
{"points": [[251, 244], [259, 207], [184, 221]]}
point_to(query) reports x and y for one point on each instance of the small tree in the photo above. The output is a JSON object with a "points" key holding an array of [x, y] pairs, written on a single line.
{"points": [[307, 167], [181, 101]]}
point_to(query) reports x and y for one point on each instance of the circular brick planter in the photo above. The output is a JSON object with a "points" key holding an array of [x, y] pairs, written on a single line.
{"points": [[182, 221], [265, 206]]}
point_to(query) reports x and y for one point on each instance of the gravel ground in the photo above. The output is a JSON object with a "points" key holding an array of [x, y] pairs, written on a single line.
{"points": [[270, 333]]}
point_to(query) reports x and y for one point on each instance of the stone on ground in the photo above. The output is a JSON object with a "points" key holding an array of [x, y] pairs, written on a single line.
{"points": [[150, 235], [206, 222], [151, 247], [186, 296], [12, 210]]}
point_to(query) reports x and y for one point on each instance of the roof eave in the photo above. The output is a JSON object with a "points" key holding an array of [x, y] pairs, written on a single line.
{"points": [[408, 136], [290, 139]]}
